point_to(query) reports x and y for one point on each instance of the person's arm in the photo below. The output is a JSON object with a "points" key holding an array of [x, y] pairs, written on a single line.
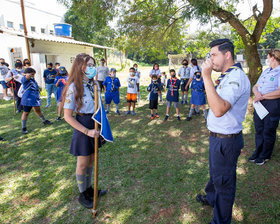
{"points": [[258, 95], [149, 88], [189, 82], [9, 77], [218, 105], [68, 116], [273, 95], [45, 76]]}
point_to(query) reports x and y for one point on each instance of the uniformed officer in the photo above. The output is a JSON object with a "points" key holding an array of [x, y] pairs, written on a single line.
{"points": [[79, 97], [228, 104], [184, 74], [267, 91]]}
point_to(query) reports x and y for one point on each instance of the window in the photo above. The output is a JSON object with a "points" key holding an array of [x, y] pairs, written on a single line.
{"points": [[10, 24], [33, 29], [21, 26], [43, 30], [51, 32]]}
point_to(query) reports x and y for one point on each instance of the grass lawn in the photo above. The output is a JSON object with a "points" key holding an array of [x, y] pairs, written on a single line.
{"points": [[152, 171]]}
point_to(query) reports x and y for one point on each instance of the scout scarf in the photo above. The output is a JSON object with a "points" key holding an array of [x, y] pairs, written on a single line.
{"points": [[173, 84], [90, 85], [235, 66]]}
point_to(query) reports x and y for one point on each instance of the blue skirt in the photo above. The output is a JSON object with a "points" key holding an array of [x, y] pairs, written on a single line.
{"points": [[198, 98], [81, 144]]}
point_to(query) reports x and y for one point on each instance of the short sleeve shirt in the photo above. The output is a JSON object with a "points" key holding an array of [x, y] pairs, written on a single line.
{"points": [[173, 91], [50, 75], [132, 84], [17, 74], [269, 81], [102, 72], [184, 72], [235, 88]]}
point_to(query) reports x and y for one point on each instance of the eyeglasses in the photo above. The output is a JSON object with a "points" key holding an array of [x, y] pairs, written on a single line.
{"points": [[90, 65]]}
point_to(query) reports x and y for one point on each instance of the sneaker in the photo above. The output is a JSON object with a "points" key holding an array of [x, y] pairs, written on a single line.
{"points": [[252, 158], [48, 105], [156, 115], [90, 192], [189, 118], [107, 111], [260, 162], [166, 118], [127, 113], [7, 98], [85, 200], [152, 117], [182, 102], [178, 118], [24, 131], [186, 102], [202, 199], [47, 122], [59, 119], [118, 112], [133, 113]]}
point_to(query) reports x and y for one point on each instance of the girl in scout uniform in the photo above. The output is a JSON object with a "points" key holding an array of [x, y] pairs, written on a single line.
{"points": [[198, 95], [30, 98], [60, 82], [78, 97]]}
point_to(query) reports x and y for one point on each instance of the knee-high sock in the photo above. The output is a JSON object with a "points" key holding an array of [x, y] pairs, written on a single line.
{"points": [[23, 123], [205, 113], [108, 107], [182, 98], [196, 108], [160, 97], [190, 113], [88, 176], [81, 181], [117, 106]]}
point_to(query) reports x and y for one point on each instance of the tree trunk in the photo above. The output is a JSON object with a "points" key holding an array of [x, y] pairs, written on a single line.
{"points": [[253, 62]]}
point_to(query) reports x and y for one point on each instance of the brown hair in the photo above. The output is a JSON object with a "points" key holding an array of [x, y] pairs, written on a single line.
{"points": [[275, 53], [76, 77], [26, 61]]}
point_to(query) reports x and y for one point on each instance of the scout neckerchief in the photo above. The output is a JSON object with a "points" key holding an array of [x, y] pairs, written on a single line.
{"points": [[90, 86], [173, 84], [235, 66]]}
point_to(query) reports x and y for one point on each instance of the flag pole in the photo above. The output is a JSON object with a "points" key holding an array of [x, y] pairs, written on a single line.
{"points": [[95, 192]]}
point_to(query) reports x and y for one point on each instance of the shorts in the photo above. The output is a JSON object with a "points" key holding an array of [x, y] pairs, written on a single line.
{"points": [[176, 104], [184, 82], [115, 96], [153, 104], [131, 97], [4, 84], [27, 108], [101, 85]]}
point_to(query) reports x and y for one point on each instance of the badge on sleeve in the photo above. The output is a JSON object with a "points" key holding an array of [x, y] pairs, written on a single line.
{"points": [[271, 78]]}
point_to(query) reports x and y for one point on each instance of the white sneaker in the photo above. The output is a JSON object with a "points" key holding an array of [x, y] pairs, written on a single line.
{"points": [[7, 98], [48, 105]]}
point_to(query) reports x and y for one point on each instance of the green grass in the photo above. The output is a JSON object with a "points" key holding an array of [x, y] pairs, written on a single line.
{"points": [[152, 171]]}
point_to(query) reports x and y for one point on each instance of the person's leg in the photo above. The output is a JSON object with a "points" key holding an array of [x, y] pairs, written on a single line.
{"points": [[54, 91], [152, 112], [133, 106], [49, 94], [60, 109], [24, 118], [204, 111], [18, 99], [259, 137], [89, 171], [39, 113], [128, 106], [108, 108], [81, 168], [160, 96], [182, 97], [191, 110]]}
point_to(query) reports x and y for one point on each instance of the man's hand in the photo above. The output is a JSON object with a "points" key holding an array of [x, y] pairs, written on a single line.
{"points": [[207, 68]]}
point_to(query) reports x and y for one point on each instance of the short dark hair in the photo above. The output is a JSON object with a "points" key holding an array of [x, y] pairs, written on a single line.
{"points": [[172, 70], [29, 71], [225, 45], [18, 65], [50, 64], [135, 64], [185, 61], [132, 68], [102, 59], [154, 76], [57, 63], [194, 61]]}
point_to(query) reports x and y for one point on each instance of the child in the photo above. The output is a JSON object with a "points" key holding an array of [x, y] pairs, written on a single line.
{"points": [[60, 82], [137, 74], [156, 71], [173, 86], [111, 86], [153, 89], [184, 74], [132, 90], [30, 98], [198, 95]]}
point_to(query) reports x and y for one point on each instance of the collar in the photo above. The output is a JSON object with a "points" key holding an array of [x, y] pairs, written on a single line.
{"points": [[235, 66]]}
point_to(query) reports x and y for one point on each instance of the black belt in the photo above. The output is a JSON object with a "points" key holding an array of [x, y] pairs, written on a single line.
{"points": [[217, 135], [84, 114]]}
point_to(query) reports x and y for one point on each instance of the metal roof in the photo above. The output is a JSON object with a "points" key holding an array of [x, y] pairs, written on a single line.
{"points": [[52, 38]]}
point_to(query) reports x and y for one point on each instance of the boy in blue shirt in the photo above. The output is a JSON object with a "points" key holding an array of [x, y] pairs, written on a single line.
{"points": [[49, 77], [173, 86], [153, 89], [112, 85]]}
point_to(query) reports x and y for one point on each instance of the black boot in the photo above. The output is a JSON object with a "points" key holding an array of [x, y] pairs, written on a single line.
{"points": [[85, 200], [90, 192]]}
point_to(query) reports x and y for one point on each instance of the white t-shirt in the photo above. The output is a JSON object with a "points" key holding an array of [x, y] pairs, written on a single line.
{"points": [[132, 84], [102, 72], [3, 72]]}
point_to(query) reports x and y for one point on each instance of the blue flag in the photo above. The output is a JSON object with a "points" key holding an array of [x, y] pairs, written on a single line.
{"points": [[100, 117]]}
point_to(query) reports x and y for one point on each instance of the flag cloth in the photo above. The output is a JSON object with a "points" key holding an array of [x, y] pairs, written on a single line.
{"points": [[100, 117]]}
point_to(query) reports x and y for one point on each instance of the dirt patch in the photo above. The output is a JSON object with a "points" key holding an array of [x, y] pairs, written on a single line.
{"points": [[164, 213]]}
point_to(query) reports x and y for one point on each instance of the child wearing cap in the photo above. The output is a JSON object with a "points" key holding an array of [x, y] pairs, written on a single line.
{"points": [[132, 90], [30, 98], [111, 85], [198, 95], [173, 85], [153, 89], [60, 82]]}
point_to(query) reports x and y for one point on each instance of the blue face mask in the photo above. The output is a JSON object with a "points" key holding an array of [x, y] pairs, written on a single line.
{"points": [[198, 76], [91, 72]]}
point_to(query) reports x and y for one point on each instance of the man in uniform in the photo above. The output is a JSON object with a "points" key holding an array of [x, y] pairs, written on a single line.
{"points": [[228, 102]]}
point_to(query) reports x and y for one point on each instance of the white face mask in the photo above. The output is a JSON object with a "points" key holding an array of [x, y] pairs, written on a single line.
{"points": [[267, 62], [131, 73]]}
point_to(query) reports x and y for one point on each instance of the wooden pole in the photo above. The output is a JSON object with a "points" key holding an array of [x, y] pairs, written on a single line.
{"points": [[25, 30], [105, 52], [14, 97], [95, 192]]}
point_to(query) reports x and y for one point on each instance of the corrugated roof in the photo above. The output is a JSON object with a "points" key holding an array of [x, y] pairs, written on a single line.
{"points": [[52, 38]]}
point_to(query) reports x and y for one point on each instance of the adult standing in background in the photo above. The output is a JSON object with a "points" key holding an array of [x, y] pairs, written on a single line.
{"points": [[102, 73], [49, 77], [184, 74], [228, 102], [267, 91]]}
